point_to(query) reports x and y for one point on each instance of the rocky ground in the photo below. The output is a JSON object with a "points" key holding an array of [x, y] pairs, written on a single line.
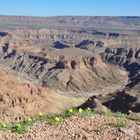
{"points": [[95, 127]]}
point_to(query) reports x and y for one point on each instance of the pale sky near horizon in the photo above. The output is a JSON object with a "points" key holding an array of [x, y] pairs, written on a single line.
{"points": [[70, 7]]}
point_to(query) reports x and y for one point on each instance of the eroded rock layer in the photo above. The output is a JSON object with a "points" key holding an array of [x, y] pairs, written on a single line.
{"points": [[68, 69]]}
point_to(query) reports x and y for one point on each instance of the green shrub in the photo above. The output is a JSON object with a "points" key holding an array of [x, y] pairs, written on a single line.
{"points": [[120, 115], [20, 129], [118, 124]]}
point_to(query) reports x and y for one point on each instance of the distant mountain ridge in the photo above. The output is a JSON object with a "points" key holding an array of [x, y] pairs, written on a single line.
{"points": [[70, 21]]}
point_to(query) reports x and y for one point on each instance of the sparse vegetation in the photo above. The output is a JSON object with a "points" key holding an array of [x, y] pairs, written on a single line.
{"points": [[117, 114], [22, 126], [118, 124]]}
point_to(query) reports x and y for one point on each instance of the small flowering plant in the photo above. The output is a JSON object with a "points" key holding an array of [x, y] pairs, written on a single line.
{"points": [[17, 125], [19, 128], [80, 110], [30, 119], [4, 125], [40, 114], [68, 113], [22, 126], [57, 119], [88, 110], [71, 110]]}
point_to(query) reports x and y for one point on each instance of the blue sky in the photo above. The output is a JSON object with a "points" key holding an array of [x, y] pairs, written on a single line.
{"points": [[70, 7]]}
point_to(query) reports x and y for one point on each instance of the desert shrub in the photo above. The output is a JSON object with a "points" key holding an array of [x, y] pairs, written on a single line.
{"points": [[118, 124]]}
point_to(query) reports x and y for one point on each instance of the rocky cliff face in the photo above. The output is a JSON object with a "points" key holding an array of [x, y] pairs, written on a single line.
{"points": [[76, 37], [129, 58], [19, 98], [58, 58], [47, 55], [64, 70]]}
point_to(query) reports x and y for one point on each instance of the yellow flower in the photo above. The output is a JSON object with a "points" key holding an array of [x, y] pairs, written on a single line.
{"points": [[29, 119], [57, 119], [40, 114], [80, 110], [70, 110], [88, 109], [18, 125], [4, 125]]}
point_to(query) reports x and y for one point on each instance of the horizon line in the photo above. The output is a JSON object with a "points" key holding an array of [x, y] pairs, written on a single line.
{"points": [[68, 16]]}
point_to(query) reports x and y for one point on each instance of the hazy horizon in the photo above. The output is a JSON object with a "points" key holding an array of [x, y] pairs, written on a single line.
{"points": [[66, 16]]}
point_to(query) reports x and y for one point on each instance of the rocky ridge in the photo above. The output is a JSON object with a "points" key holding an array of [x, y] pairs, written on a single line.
{"points": [[69, 21], [60, 72]]}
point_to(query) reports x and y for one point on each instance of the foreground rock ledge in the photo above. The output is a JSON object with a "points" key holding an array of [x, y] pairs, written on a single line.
{"points": [[79, 128]]}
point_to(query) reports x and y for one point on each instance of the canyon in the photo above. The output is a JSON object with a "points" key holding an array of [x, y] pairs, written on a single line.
{"points": [[50, 64]]}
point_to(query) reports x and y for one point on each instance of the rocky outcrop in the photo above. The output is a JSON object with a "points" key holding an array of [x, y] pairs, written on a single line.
{"points": [[125, 101], [2, 34], [20, 98], [127, 58], [90, 45], [59, 45], [85, 44], [95, 105]]}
